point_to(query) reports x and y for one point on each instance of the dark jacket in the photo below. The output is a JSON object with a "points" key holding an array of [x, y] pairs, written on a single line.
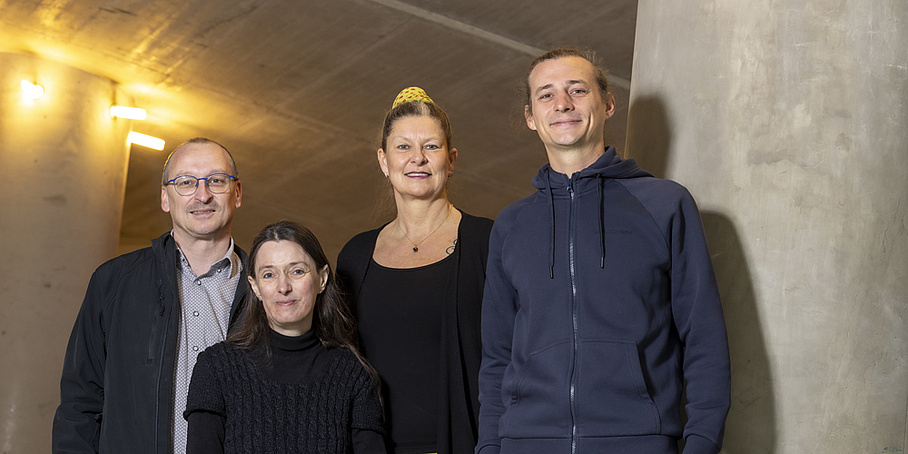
{"points": [[600, 302], [460, 337], [117, 387]]}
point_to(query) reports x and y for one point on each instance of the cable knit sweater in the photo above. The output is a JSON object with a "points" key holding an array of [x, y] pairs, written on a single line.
{"points": [[266, 416]]}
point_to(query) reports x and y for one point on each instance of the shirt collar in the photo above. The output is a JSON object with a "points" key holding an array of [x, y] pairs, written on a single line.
{"points": [[230, 260]]}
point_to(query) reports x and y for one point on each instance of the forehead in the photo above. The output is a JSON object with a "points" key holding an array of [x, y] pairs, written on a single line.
{"points": [[416, 125], [562, 70], [199, 157], [278, 253]]}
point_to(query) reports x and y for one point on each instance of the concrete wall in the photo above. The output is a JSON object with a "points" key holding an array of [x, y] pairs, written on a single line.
{"points": [[63, 160], [788, 121]]}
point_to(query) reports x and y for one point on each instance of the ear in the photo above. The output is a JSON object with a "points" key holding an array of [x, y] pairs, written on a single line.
{"points": [[165, 204], [239, 193], [254, 286], [323, 275], [609, 101], [452, 159], [528, 115], [382, 161]]}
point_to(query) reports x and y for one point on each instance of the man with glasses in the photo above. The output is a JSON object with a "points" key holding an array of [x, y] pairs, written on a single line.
{"points": [[147, 315]]}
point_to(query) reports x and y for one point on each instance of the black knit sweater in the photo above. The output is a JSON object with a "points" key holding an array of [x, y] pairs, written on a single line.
{"points": [[317, 414]]}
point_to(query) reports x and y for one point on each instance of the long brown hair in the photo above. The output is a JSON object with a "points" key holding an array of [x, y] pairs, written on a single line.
{"points": [[332, 321]]}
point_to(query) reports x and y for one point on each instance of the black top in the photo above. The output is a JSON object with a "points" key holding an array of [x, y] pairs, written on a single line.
{"points": [[460, 353], [248, 392], [399, 313]]}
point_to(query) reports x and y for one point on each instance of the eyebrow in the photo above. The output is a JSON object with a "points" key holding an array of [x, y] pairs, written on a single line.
{"points": [[269, 265], [569, 83]]}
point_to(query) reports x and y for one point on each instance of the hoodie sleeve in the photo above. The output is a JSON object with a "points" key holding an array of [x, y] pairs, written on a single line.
{"points": [[498, 312], [698, 317]]}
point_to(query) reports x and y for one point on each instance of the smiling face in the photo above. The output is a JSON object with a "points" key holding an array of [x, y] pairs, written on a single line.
{"points": [[567, 109], [417, 160], [202, 215], [287, 281]]}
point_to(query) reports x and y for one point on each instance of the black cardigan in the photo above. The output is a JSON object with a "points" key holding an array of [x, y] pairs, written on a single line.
{"points": [[461, 348]]}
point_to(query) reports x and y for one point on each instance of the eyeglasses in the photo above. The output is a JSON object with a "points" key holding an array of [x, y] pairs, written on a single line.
{"points": [[217, 183]]}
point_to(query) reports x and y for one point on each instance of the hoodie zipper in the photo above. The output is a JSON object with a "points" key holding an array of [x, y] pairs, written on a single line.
{"points": [[571, 231]]}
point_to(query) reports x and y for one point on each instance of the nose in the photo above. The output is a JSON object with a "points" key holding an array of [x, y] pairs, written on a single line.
{"points": [[563, 102], [284, 286], [202, 193], [419, 156]]}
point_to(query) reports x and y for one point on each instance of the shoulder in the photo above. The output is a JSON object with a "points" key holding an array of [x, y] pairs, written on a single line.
{"points": [[126, 268], [652, 187], [523, 210], [219, 352], [361, 244], [475, 226], [660, 197], [346, 365]]}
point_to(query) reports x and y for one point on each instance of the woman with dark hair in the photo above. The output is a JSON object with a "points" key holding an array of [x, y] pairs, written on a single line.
{"points": [[290, 380], [416, 284]]}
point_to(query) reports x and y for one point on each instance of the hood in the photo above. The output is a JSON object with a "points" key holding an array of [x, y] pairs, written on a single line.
{"points": [[609, 165]]}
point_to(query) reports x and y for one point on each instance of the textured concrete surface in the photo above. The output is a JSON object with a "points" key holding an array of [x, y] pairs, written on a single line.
{"points": [[64, 169], [297, 90], [786, 120]]}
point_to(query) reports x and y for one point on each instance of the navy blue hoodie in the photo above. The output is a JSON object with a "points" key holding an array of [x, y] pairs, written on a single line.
{"points": [[600, 301]]}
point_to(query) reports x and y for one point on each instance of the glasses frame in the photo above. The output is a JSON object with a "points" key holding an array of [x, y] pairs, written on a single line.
{"points": [[230, 178]]}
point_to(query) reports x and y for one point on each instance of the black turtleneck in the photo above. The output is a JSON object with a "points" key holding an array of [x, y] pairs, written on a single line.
{"points": [[294, 361]]}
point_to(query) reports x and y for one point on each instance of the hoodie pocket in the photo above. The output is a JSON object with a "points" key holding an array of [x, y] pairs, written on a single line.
{"points": [[537, 395], [612, 396]]}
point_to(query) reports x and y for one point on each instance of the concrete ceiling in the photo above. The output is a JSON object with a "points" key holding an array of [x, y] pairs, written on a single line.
{"points": [[297, 90]]}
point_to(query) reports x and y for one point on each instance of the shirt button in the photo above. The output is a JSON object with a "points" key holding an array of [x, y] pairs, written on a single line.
{"points": [[195, 348], [195, 313], [199, 282]]}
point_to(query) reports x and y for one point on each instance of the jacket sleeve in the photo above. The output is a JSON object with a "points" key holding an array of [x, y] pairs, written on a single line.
{"points": [[698, 317], [498, 312], [77, 421]]}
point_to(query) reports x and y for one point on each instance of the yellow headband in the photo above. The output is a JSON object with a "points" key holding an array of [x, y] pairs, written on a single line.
{"points": [[411, 94]]}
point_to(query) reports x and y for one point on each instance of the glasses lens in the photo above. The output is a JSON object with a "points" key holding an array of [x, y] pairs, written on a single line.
{"points": [[218, 183], [185, 185]]}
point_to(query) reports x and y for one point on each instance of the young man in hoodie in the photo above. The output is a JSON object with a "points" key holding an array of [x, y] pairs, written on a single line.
{"points": [[600, 301]]}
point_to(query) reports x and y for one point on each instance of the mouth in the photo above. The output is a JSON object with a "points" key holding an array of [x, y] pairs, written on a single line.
{"points": [[202, 211], [418, 174], [565, 122]]}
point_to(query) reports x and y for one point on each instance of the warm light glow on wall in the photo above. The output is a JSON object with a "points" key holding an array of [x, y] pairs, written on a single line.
{"points": [[132, 113], [145, 140], [32, 91]]}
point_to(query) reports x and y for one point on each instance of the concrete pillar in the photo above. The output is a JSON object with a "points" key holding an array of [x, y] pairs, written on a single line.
{"points": [[787, 121], [63, 161]]}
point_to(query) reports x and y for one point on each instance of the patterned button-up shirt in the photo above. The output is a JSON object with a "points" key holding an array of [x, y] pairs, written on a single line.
{"points": [[205, 302]]}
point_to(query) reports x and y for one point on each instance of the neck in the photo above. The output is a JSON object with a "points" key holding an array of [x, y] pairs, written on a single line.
{"points": [[419, 216], [202, 253], [572, 160]]}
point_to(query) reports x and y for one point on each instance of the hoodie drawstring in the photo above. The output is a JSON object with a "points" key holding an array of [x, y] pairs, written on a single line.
{"points": [[548, 187], [601, 225]]}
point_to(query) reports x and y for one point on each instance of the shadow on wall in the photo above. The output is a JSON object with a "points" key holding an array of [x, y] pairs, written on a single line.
{"points": [[648, 134], [751, 423]]}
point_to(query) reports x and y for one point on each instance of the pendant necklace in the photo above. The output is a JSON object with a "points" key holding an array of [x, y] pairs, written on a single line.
{"points": [[416, 245]]}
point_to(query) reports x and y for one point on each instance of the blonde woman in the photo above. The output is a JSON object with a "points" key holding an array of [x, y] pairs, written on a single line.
{"points": [[416, 287]]}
